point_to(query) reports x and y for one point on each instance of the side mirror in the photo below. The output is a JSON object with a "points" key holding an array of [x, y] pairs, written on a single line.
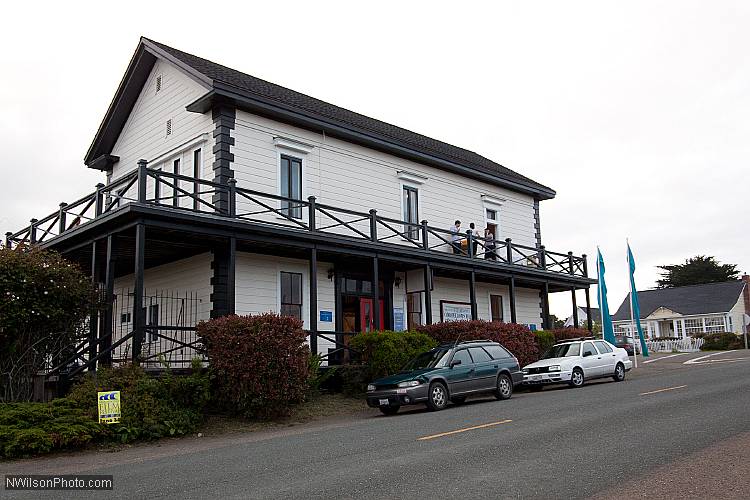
{"points": [[455, 362]]}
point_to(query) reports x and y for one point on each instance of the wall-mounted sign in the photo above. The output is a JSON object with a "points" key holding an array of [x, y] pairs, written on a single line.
{"points": [[109, 407], [326, 316], [398, 319], [455, 311]]}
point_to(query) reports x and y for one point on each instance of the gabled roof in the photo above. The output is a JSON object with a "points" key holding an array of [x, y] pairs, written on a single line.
{"points": [[229, 86], [709, 298]]}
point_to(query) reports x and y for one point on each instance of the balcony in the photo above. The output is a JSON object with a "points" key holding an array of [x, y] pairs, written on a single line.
{"points": [[151, 187]]}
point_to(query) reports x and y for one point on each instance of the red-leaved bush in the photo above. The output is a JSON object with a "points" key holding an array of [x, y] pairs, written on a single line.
{"points": [[516, 338], [259, 363], [569, 333]]}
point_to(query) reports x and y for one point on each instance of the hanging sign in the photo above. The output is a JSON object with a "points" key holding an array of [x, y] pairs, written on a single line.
{"points": [[109, 407]]}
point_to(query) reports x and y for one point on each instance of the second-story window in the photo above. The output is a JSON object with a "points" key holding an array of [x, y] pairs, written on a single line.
{"points": [[411, 211], [291, 186]]}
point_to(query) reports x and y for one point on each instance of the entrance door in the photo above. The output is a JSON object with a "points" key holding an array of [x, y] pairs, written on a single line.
{"points": [[366, 316]]}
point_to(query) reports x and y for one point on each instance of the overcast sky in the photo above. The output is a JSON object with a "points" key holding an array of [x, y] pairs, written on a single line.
{"points": [[636, 113]]}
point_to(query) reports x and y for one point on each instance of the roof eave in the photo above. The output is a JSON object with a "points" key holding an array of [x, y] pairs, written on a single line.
{"points": [[227, 94]]}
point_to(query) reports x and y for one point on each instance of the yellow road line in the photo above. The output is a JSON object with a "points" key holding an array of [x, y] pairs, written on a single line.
{"points": [[662, 390], [458, 431]]}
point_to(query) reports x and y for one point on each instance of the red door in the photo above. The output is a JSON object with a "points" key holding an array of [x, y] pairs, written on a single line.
{"points": [[366, 318]]}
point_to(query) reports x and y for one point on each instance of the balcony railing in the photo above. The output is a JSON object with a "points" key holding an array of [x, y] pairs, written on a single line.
{"points": [[179, 192]]}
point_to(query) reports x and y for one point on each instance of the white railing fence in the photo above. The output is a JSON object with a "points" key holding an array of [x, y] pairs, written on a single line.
{"points": [[681, 345]]}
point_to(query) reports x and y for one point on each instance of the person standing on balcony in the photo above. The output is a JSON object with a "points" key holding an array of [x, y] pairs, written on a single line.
{"points": [[474, 236], [456, 237], [489, 245]]}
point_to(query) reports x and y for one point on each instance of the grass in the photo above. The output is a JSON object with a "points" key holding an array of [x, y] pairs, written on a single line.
{"points": [[320, 407]]}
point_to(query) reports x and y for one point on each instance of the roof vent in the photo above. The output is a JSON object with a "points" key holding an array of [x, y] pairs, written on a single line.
{"points": [[158, 83], [169, 127]]}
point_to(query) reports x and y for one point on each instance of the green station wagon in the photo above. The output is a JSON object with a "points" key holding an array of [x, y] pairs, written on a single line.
{"points": [[450, 372]]}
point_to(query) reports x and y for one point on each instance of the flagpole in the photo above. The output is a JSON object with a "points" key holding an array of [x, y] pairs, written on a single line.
{"points": [[600, 291], [632, 319]]}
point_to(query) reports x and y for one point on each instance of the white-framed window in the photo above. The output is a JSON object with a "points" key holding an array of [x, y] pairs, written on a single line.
{"points": [[492, 207], [291, 294], [693, 326], [715, 324], [410, 210], [290, 178], [292, 157]]}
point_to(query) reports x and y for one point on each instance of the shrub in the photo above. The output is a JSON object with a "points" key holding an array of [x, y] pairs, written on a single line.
{"points": [[516, 338], [721, 342], [28, 429], [569, 333], [259, 363], [384, 353], [544, 340], [44, 300], [151, 407]]}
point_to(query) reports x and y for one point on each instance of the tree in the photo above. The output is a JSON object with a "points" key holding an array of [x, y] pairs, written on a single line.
{"points": [[44, 303], [697, 271]]}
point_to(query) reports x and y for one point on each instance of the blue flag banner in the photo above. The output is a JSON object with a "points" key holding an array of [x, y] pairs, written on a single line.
{"points": [[634, 303], [608, 330]]}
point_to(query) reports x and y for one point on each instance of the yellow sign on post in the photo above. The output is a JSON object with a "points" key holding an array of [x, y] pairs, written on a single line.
{"points": [[109, 407]]}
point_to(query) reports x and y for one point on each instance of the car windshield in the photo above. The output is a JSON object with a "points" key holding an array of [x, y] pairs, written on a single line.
{"points": [[563, 350], [429, 359]]}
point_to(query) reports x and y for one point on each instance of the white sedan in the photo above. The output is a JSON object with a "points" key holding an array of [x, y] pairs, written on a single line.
{"points": [[575, 361]]}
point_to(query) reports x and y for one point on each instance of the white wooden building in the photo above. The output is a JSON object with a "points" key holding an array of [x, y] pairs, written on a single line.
{"points": [[685, 311], [250, 197]]}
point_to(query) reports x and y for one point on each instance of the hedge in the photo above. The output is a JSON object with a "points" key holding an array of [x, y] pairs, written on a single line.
{"points": [[516, 338], [722, 342], [259, 364], [385, 353], [151, 408]]}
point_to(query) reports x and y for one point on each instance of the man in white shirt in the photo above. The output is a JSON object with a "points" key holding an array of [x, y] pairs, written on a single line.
{"points": [[456, 237]]}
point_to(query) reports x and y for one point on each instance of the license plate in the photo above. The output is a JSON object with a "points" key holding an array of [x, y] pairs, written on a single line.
{"points": [[536, 377], [383, 402]]}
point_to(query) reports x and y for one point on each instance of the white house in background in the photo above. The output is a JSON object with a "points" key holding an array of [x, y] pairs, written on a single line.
{"points": [[689, 310], [596, 317], [252, 197]]}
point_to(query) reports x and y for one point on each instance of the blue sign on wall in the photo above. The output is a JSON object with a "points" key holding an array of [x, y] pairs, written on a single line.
{"points": [[398, 319], [326, 316]]}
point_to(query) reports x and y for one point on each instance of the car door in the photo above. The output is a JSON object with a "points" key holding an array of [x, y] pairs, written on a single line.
{"points": [[609, 358], [590, 361], [485, 369], [460, 376]]}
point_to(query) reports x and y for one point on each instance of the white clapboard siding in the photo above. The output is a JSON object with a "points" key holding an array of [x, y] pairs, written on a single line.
{"points": [[144, 134], [342, 174], [186, 275], [257, 288], [528, 308], [737, 314]]}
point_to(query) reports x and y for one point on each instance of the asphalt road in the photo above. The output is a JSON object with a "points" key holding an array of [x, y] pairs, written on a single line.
{"points": [[558, 443]]}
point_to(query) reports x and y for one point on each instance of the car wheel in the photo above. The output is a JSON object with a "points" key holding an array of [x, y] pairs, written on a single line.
{"points": [[437, 396], [389, 410], [504, 387], [576, 379], [458, 400], [619, 375]]}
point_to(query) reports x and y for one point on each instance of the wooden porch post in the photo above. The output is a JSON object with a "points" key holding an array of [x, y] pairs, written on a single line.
{"points": [[428, 294], [473, 295], [313, 327], [545, 307], [139, 313], [94, 317], [575, 307], [589, 323], [109, 285], [512, 293], [375, 293]]}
